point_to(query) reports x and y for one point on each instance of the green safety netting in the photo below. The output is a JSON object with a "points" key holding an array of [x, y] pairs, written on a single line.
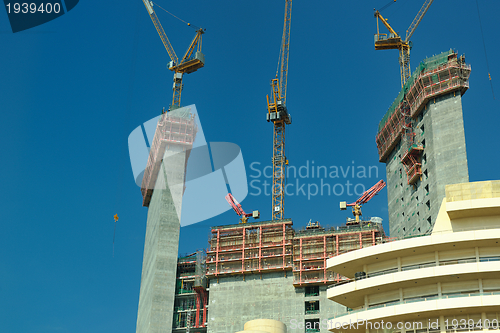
{"points": [[181, 113], [426, 64]]}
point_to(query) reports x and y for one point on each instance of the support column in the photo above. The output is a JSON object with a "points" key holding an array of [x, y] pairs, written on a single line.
{"points": [[337, 245], [217, 254], [260, 247], [284, 235], [324, 258], [243, 253], [300, 261], [197, 319]]}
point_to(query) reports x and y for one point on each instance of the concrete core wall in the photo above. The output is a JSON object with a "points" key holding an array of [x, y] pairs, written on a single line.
{"points": [[234, 301], [413, 209], [156, 300]]}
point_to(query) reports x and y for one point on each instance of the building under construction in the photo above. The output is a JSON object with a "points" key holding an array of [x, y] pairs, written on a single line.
{"points": [[269, 270], [421, 139]]}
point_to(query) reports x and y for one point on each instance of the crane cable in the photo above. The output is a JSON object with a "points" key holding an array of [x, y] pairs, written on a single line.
{"points": [[126, 119], [114, 233], [279, 62], [390, 3], [484, 46], [189, 24]]}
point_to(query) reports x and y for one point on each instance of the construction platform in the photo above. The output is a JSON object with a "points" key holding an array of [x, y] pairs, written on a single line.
{"points": [[176, 131], [434, 76], [274, 246]]}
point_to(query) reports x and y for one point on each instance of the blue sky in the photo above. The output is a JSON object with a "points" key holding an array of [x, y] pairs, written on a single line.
{"points": [[73, 89]]}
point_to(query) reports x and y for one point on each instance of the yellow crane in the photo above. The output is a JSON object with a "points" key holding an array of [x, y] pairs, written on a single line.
{"points": [[277, 113], [189, 62], [394, 41]]}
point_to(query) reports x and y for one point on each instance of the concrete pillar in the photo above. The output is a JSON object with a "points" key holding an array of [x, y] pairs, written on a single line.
{"points": [[157, 293]]}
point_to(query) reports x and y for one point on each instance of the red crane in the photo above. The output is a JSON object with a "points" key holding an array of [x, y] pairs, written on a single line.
{"points": [[239, 210], [364, 198]]}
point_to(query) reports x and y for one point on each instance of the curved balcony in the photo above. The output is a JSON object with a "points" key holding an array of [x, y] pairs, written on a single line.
{"points": [[350, 263], [352, 294], [418, 309]]}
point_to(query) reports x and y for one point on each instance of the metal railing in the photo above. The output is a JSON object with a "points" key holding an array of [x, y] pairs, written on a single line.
{"points": [[434, 264], [312, 311], [414, 300]]}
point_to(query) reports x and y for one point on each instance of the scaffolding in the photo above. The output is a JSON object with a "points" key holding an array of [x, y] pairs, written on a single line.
{"points": [[314, 245], [191, 295], [438, 75], [250, 248], [175, 128], [263, 247]]}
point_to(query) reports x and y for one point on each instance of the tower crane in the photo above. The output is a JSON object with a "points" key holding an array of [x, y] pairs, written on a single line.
{"points": [[364, 198], [394, 41], [189, 62], [239, 210], [277, 113]]}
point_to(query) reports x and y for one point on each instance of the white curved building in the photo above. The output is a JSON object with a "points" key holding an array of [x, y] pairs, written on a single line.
{"points": [[446, 281]]}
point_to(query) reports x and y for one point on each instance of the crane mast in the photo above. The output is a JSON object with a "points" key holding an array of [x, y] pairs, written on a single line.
{"points": [[277, 113], [394, 41], [187, 64]]}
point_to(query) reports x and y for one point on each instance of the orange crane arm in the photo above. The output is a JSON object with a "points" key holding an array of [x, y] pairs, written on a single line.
{"points": [[161, 32], [417, 19], [285, 47]]}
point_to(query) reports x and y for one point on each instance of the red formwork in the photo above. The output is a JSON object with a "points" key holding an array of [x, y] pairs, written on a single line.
{"points": [[256, 248], [192, 295], [171, 130], [449, 77], [201, 307], [250, 248], [311, 251]]}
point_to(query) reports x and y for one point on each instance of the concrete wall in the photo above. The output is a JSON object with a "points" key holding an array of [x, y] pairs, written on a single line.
{"points": [[234, 302], [156, 300], [413, 209]]}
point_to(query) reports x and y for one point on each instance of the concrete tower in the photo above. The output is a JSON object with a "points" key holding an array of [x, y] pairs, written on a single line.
{"points": [[421, 139], [162, 189]]}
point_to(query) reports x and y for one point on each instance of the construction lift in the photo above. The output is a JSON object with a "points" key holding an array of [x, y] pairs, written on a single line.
{"points": [[364, 198], [394, 41], [237, 208], [188, 64], [277, 113]]}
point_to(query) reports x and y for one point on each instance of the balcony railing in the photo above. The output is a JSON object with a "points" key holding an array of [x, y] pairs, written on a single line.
{"points": [[416, 299], [312, 311], [433, 264]]}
